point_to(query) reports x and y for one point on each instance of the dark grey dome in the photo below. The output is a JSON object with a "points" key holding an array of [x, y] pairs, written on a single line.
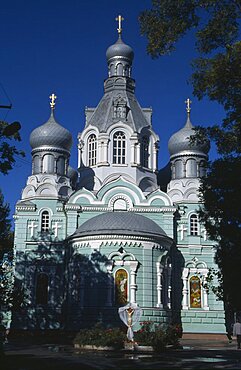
{"points": [[180, 141], [120, 49], [125, 223], [51, 134]]}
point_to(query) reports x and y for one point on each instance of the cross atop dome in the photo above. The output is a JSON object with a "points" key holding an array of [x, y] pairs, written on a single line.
{"points": [[52, 98], [188, 103], [119, 19]]}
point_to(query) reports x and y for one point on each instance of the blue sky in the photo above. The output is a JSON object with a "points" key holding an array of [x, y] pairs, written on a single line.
{"points": [[59, 46]]}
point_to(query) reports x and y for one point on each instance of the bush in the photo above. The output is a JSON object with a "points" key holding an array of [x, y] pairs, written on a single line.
{"points": [[157, 335], [101, 337], [150, 334]]}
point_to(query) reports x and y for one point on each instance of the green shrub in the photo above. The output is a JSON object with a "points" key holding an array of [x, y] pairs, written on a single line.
{"points": [[101, 337], [157, 335]]}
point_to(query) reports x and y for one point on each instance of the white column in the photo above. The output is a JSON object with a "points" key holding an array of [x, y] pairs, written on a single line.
{"points": [[138, 153], [80, 150], [99, 158], [155, 157], [159, 269], [133, 146], [102, 157], [133, 286], [185, 288], [205, 294]]}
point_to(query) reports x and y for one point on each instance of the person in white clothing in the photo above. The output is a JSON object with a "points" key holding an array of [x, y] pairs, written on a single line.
{"points": [[237, 332]]}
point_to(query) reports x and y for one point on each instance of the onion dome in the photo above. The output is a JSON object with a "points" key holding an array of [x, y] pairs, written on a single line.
{"points": [[119, 50], [180, 141], [119, 56], [51, 133], [124, 223]]}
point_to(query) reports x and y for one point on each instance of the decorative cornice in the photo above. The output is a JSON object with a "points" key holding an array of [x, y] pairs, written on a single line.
{"points": [[121, 237], [94, 209], [26, 208], [154, 210], [72, 207], [136, 209], [50, 149], [189, 154]]}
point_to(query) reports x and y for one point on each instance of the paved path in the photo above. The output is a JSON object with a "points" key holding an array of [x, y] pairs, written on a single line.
{"points": [[194, 354]]}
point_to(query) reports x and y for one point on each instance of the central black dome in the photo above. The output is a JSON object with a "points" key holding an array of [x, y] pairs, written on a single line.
{"points": [[125, 223]]}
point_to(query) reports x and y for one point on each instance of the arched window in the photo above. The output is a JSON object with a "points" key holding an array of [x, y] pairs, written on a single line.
{"points": [[61, 166], [36, 165], [179, 169], [119, 148], [42, 288], [48, 163], [45, 221], [119, 69], [194, 225], [195, 292], [145, 152], [191, 168], [121, 286], [92, 144]]}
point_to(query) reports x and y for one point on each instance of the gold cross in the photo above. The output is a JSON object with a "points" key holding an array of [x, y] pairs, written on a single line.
{"points": [[52, 98], [119, 19], [188, 102]]}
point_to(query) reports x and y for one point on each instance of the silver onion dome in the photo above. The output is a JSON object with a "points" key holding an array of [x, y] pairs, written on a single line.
{"points": [[119, 50], [51, 134], [180, 141]]}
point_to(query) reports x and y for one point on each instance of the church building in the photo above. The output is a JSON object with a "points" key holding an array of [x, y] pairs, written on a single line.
{"points": [[117, 229]]}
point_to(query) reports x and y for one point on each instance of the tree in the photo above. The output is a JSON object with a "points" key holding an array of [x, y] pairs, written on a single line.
{"points": [[13, 296], [8, 152], [6, 235], [216, 75], [11, 293]]}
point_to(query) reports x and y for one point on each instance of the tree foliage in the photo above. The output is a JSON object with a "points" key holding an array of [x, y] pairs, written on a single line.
{"points": [[6, 235], [11, 293], [217, 72], [216, 75], [8, 152]]}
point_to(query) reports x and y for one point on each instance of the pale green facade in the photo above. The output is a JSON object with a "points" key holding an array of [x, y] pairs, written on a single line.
{"points": [[74, 230]]}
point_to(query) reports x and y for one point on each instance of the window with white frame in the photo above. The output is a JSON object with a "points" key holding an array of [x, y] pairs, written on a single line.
{"points": [[195, 292], [119, 148], [145, 152], [92, 145], [45, 221], [194, 225]]}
